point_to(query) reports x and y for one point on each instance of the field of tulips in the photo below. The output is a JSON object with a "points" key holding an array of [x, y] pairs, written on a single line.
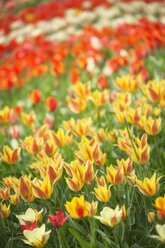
{"points": [[82, 124]]}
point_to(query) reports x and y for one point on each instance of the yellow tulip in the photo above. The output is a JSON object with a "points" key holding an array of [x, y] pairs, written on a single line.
{"points": [[4, 210], [5, 115], [102, 193], [151, 216]]}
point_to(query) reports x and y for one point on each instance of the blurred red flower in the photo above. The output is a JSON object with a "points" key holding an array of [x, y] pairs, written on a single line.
{"points": [[58, 219]]}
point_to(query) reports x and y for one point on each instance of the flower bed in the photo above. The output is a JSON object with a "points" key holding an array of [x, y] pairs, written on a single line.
{"points": [[82, 125]]}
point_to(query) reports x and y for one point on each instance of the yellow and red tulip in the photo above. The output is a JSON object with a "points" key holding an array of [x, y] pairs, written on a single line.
{"points": [[25, 188], [149, 186], [10, 156], [160, 206], [79, 208]]}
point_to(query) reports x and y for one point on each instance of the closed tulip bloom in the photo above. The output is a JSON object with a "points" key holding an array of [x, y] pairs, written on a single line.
{"points": [[4, 210], [5, 115], [25, 188], [35, 96], [51, 103], [160, 206]]}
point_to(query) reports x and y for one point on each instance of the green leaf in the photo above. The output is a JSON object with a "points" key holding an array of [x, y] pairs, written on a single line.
{"points": [[81, 240]]}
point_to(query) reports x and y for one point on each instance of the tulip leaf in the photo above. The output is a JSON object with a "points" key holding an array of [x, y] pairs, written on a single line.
{"points": [[81, 240]]}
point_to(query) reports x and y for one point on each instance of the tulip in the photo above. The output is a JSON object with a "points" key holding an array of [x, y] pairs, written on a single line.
{"points": [[151, 216], [58, 220], [28, 119], [80, 127], [33, 145], [102, 82], [160, 206], [4, 210], [102, 193], [37, 237], [76, 105], [25, 188], [51, 103], [14, 199], [156, 92], [10, 156], [28, 221], [149, 186], [128, 83], [126, 165], [152, 126], [90, 150], [35, 96], [61, 139], [139, 151], [114, 175], [100, 98], [4, 193], [42, 189], [5, 115], [161, 233], [79, 208], [49, 166], [109, 216]]}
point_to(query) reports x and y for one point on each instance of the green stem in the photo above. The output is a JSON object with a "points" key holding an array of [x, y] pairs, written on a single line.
{"points": [[93, 233]]}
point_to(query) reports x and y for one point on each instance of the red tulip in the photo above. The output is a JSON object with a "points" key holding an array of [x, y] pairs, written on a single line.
{"points": [[51, 103], [58, 219]]}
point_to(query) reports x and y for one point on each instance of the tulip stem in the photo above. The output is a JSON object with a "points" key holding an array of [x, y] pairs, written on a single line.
{"points": [[93, 232], [59, 238]]}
